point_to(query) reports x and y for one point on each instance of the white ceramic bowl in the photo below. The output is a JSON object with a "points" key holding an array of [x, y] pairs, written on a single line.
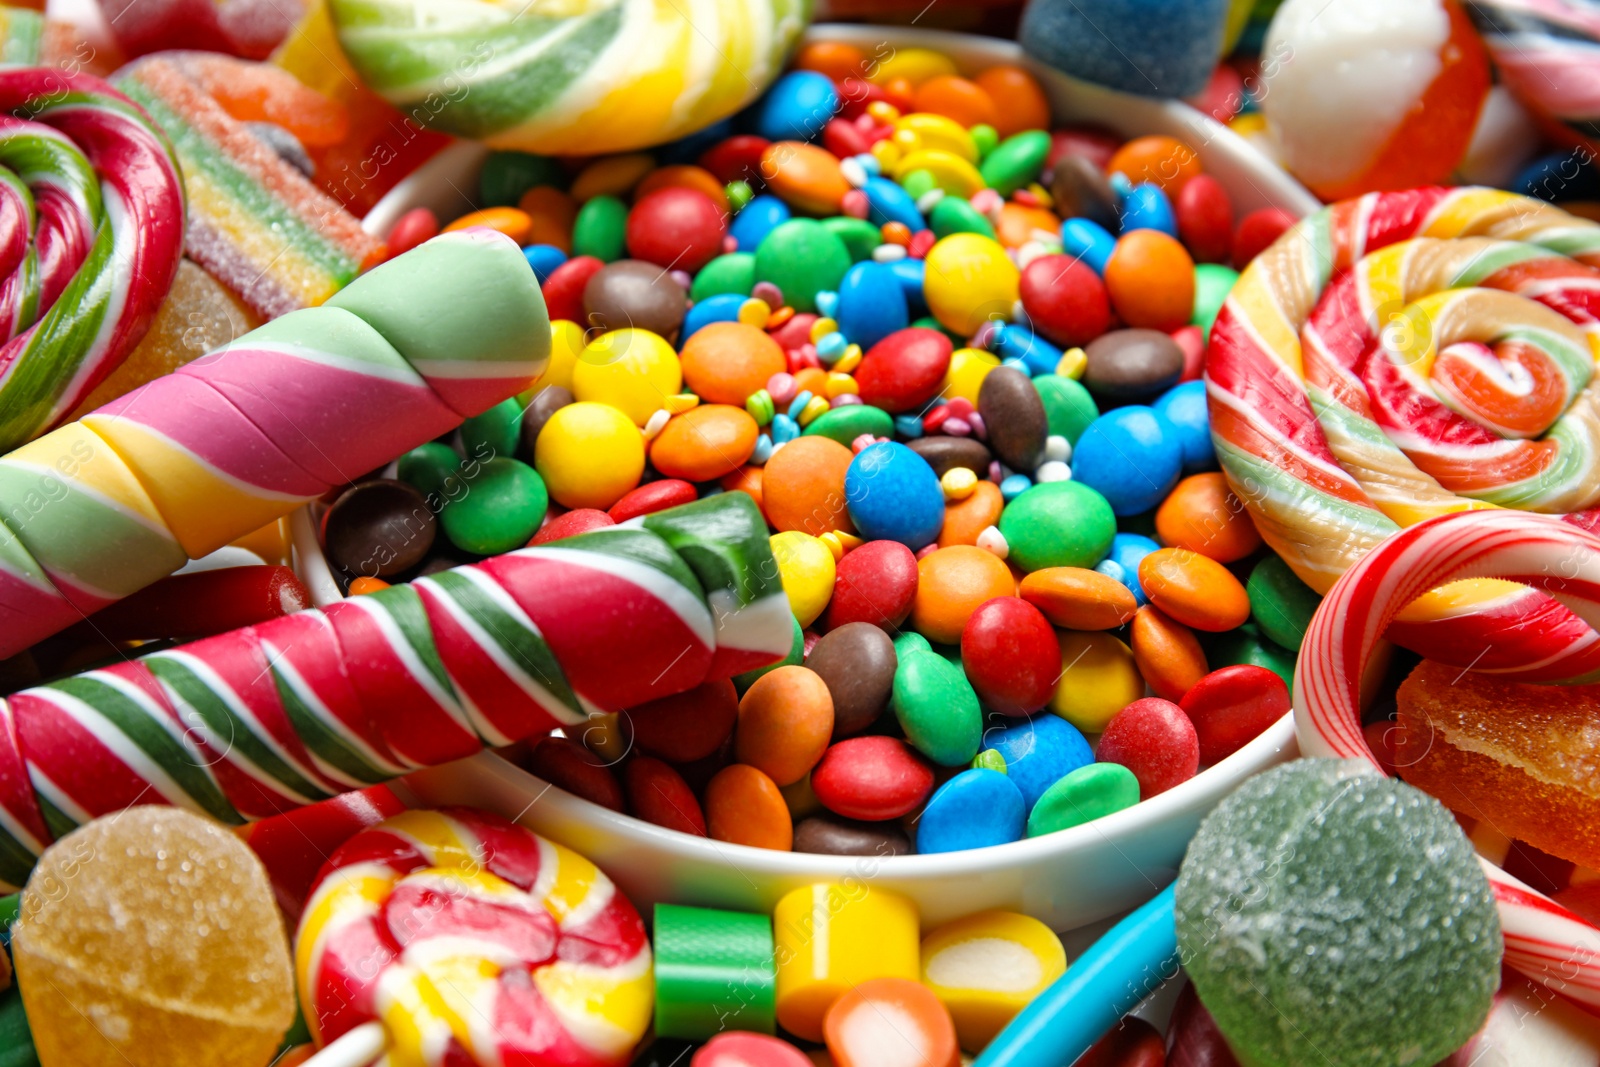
{"points": [[1068, 879]]}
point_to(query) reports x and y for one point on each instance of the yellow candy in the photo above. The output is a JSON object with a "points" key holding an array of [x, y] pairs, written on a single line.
{"points": [[907, 141], [1098, 679], [839, 384], [915, 65], [566, 342], [969, 280], [830, 938], [822, 328], [805, 565], [755, 312], [938, 133], [850, 360], [815, 407], [633, 370], [883, 111], [968, 368], [839, 542], [589, 455], [612, 176], [605, 736], [678, 403], [950, 172], [886, 153], [1074, 361], [958, 483], [987, 967]]}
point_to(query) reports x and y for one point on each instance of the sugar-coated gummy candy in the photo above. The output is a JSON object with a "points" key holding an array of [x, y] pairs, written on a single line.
{"points": [[1325, 911], [987, 967], [975, 809]]}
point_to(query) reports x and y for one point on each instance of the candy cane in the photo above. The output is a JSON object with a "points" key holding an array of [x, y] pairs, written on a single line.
{"points": [[1405, 355], [91, 232], [1543, 940]]}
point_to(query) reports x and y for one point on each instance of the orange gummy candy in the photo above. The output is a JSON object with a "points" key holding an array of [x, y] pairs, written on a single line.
{"points": [[1523, 758], [260, 92]]}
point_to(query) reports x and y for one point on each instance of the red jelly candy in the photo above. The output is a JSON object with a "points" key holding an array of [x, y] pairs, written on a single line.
{"points": [[904, 370], [656, 496], [871, 778], [737, 1048], [1205, 219], [1256, 231], [563, 290], [1155, 740], [688, 726], [1065, 300], [874, 583], [566, 764], [1011, 656], [573, 523], [415, 226], [1134, 1043], [1193, 1039], [676, 228], [658, 794], [1233, 705], [736, 159]]}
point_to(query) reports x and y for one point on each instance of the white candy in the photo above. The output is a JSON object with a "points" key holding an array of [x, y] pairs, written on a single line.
{"points": [[992, 540], [1052, 471]]}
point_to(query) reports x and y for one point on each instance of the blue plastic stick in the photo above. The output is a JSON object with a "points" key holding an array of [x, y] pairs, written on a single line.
{"points": [[1116, 973]]}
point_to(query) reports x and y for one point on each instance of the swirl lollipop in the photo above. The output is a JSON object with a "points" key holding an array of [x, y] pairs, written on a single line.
{"points": [[1407, 355], [91, 232]]}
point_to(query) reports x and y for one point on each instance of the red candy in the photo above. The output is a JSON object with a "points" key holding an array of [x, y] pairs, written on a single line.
{"points": [[795, 333], [1193, 1039], [1205, 219], [904, 370], [845, 139], [740, 1049], [1256, 231], [566, 764], [414, 227], [1193, 343], [687, 726], [871, 778], [563, 290], [658, 794], [1155, 740], [1065, 300], [294, 846], [1093, 143], [676, 228], [736, 159], [1233, 705], [1011, 656], [573, 523], [657, 496], [854, 96], [1134, 1043], [875, 583]]}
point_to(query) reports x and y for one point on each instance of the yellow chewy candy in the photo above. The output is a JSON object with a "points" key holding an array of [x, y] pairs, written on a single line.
{"points": [[1098, 679], [589, 455], [968, 368], [632, 370], [969, 280], [987, 967], [831, 938], [806, 566]]}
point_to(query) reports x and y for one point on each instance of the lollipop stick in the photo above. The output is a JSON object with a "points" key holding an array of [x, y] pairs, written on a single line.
{"points": [[360, 1047], [1116, 973]]}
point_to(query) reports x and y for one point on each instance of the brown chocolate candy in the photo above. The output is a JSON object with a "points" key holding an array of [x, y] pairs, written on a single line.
{"points": [[831, 836], [1130, 365], [947, 453], [632, 293], [378, 529], [545, 403], [1081, 191], [857, 663], [1015, 418]]}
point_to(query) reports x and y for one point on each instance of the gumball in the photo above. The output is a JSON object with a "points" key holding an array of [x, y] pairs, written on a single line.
{"points": [[1010, 655], [1065, 300], [1151, 280]]}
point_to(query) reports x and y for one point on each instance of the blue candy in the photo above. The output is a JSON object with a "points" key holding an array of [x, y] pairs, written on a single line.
{"points": [[893, 495], [1150, 47], [760, 216], [1185, 407], [1132, 456], [724, 307], [871, 304], [1011, 341], [1127, 549], [544, 259], [797, 106], [975, 809], [1014, 486], [1088, 241], [1039, 752], [910, 273], [1146, 207], [887, 201]]}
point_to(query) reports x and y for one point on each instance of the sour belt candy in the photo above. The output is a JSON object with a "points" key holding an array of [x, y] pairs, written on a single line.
{"points": [[261, 720], [187, 463], [91, 231], [472, 940], [1406, 355]]}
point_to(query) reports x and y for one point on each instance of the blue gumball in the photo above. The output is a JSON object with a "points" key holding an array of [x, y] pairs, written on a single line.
{"points": [[1132, 456], [975, 809], [1127, 549], [893, 495], [797, 106], [1185, 407], [1039, 752]]}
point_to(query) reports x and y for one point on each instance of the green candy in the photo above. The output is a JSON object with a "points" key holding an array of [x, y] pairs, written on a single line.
{"points": [[956, 215], [1068, 407], [1280, 602], [1058, 524], [990, 760], [501, 509], [600, 230], [936, 708], [507, 175], [1087, 794], [1212, 284], [713, 971], [1245, 645], [984, 138], [1328, 914], [731, 273], [739, 194], [796, 656], [908, 641], [802, 257], [858, 235], [496, 432], [16, 1040], [428, 467], [1016, 161], [845, 424], [919, 183]]}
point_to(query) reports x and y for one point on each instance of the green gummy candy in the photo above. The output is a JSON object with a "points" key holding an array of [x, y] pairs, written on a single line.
{"points": [[601, 228], [936, 708], [1280, 602], [1329, 914], [1087, 794]]}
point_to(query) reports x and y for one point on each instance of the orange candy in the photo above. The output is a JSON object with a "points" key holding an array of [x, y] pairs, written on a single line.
{"points": [[834, 58], [890, 1020], [1163, 161], [1023, 105], [704, 443], [1194, 589], [1017, 223], [510, 221], [802, 487], [260, 92], [1151, 280], [957, 98], [363, 585], [551, 214], [1076, 598], [804, 176], [744, 807], [1202, 514], [744, 480], [951, 583], [684, 176], [785, 721], [1167, 653], [725, 362], [813, 380], [965, 519]]}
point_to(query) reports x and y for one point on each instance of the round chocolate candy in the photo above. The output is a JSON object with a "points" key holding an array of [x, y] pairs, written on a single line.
{"points": [[944, 453], [1132, 364], [856, 662], [632, 293], [378, 529], [844, 837]]}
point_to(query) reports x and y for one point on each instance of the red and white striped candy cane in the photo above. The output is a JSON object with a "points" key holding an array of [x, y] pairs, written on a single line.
{"points": [[1543, 940]]}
